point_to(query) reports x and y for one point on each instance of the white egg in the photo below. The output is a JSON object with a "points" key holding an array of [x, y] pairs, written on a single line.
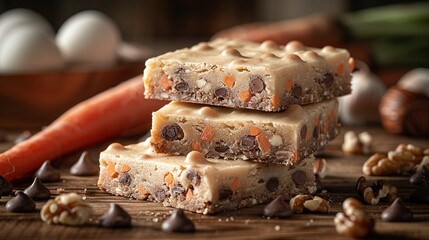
{"points": [[17, 17], [89, 37], [26, 49]]}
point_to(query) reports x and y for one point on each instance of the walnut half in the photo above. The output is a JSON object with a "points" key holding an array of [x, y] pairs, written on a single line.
{"points": [[66, 209], [353, 222]]}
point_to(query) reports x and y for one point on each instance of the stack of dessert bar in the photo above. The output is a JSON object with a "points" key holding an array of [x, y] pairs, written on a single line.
{"points": [[242, 127]]}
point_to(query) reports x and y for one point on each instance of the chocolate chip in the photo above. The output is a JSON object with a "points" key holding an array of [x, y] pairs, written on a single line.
{"points": [[316, 132], [421, 194], [221, 94], [23, 136], [160, 195], [172, 132], [272, 184], [422, 174], [256, 84], [5, 186], [224, 193], [38, 191], [116, 217], [21, 203], [125, 179], [277, 208], [328, 79], [194, 177], [303, 132], [47, 173], [221, 147], [177, 190], [299, 178], [181, 86], [178, 223], [397, 212], [179, 71], [247, 143], [84, 166], [296, 91]]}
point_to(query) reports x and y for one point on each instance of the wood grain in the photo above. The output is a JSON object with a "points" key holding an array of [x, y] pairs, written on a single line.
{"points": [[241, 224]]}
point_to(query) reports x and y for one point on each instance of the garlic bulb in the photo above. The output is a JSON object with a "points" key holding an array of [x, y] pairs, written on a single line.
{"points": [[361, 106]]}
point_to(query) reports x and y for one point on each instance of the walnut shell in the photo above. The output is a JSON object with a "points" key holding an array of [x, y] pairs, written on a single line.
{"points": [[405, 112]]}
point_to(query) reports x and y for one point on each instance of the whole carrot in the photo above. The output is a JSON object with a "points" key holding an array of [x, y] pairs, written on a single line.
{"points": [[99, 118]]}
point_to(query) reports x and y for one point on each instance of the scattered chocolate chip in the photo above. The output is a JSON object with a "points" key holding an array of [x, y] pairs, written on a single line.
{"points": [[296, 91], [38, 191], [421, 175], [172, 132], [221, 94], [181, 86], [256, 84], [177, 190], [421, 194], [194, 177], [47, 173], [328, 79], [272, 184], [397, 212], [247, 143], [21, 203], [23, 136], [84, 166], [303, 132], [299, 178], [277, 208], [178, 222], [125, 179], [224, 193], [116, 217], [5, 186], [316, 132]]}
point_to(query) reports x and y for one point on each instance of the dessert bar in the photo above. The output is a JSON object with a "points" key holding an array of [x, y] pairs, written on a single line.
{"points": [[241, 74], [281, 137], [195, 183]]}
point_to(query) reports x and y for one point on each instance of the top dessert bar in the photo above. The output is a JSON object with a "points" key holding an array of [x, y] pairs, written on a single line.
{"points": [[241, 74]]}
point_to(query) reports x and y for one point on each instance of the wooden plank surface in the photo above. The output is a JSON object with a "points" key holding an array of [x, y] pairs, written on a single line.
{"points": [[241, 224]]}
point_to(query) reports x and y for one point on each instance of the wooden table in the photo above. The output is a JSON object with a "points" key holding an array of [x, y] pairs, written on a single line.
{"points": [[242, 224]]}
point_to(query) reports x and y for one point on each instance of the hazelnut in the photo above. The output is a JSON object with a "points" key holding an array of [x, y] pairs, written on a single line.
{"points": [[403, 111]]}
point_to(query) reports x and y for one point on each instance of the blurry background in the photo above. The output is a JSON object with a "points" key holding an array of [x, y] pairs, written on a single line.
{"points": [[161, 21]]}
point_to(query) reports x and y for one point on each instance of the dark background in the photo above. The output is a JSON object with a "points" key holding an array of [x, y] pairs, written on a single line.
{"points": [[141, 20]]}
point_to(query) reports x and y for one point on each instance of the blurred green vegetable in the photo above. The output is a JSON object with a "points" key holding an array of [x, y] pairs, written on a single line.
{"points": [[399, 34]]}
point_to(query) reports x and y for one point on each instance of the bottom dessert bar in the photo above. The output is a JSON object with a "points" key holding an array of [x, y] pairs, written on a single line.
{"points": [[195, 183]]}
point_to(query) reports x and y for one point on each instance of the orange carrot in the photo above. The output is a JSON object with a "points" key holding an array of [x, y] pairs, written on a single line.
{"points": [[109, 114]]}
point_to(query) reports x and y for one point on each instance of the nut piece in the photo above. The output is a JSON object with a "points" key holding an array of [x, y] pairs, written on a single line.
{"points": [[316, 204], [402, 160], [297, 202], [66, 209], [357, 144], [373, 194], [320, 167], [353, 222]]}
